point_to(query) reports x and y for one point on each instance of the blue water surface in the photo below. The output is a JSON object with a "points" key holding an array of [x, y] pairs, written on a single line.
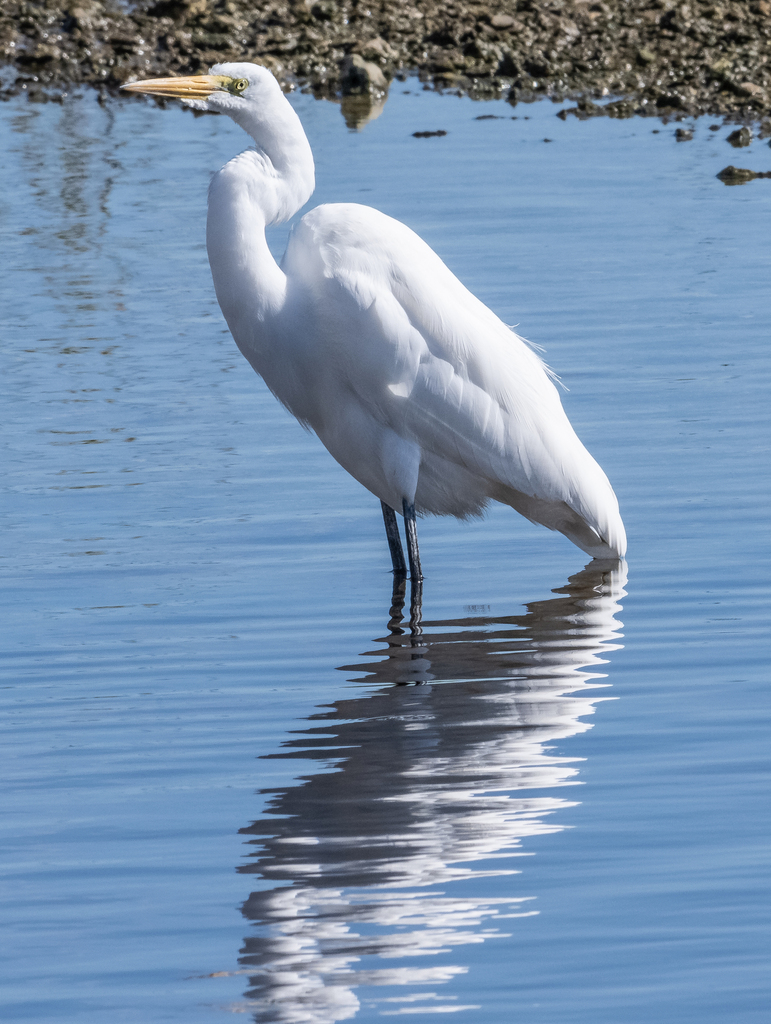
{"points": [[228, 785]]}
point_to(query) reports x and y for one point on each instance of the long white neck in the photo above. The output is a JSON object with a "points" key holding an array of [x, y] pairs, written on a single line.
{"points": [[261, 186]]}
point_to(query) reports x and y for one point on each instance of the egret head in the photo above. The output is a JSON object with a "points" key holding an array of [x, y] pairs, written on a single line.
{"points": [[251, 96], [227, 89], [248, 93]]}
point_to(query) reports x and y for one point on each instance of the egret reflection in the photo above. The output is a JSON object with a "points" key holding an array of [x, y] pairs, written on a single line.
{"points": [[432, 774]]}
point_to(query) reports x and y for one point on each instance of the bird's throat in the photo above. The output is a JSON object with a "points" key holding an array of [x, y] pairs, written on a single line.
{"points": [[250, 285]]}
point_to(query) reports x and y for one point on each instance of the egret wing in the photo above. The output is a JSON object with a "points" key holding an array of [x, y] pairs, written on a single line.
{"points": [[433, 364]]}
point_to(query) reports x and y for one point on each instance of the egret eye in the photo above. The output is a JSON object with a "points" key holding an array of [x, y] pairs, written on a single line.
{"points": [[239, 85]]}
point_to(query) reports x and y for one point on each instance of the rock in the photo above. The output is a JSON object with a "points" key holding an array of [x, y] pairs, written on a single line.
{"points": [[429, 135], [583, 111], [750, 89], [620, 108], [683, 134], [741, 137], [721, 67], [739, 175], [735, 175], [359, 77], [377, 48]]}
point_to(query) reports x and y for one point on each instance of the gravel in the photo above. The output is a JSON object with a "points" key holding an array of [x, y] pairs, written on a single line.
{"points": [[650, 57]]}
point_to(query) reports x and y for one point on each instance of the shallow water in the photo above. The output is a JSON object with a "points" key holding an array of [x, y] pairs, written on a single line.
{"points": [[218, 797]]}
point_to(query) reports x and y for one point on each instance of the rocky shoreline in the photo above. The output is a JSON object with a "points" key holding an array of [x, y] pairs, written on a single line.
{"points": [[674, 58]]}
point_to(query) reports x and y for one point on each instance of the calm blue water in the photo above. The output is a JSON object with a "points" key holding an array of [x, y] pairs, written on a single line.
{"points": [[217, 797]]}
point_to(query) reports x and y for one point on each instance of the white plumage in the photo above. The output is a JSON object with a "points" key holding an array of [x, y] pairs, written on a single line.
{"points": [[412, 384]]}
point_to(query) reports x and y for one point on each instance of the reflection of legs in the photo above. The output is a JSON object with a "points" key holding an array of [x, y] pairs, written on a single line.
{"points": [[416, 607], [396, 614], [397, 605], [394, 541], [411, 529]]}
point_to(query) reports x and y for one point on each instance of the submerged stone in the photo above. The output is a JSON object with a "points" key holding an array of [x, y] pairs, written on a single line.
{"points": [[739, 175], [741, 137]]}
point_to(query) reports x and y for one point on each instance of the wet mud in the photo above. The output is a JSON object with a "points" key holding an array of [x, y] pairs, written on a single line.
{"points": [[649, 57]]}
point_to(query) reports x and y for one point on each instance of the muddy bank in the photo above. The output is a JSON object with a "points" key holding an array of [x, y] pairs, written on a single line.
{"points": [[658, 56]]}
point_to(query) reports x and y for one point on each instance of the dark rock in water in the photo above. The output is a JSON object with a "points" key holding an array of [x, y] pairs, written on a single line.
{"points": [[714, 127], [364, 88], [359, 77], [683, 134], [735, 175], [583, 111], [741, 137], [621, 109], [428, 135], [739, 175]]}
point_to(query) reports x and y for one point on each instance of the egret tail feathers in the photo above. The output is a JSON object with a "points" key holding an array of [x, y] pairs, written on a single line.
{"points": [[603, 540]]}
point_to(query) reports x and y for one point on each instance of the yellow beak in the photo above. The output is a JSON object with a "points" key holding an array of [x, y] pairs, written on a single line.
{"points": [[195, 87]]}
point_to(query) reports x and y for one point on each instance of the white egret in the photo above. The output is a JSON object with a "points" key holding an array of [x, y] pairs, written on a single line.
{"points": [[412, 384]]}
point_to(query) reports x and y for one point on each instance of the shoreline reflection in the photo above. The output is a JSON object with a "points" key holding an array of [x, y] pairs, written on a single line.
{"points": [[428, 778]]}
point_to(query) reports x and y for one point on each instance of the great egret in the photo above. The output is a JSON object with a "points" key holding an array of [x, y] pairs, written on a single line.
{"points": [[411, 383]]}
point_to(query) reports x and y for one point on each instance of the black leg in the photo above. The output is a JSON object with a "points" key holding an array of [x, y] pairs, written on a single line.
{"points": [[394, 541], [411, 529]]}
